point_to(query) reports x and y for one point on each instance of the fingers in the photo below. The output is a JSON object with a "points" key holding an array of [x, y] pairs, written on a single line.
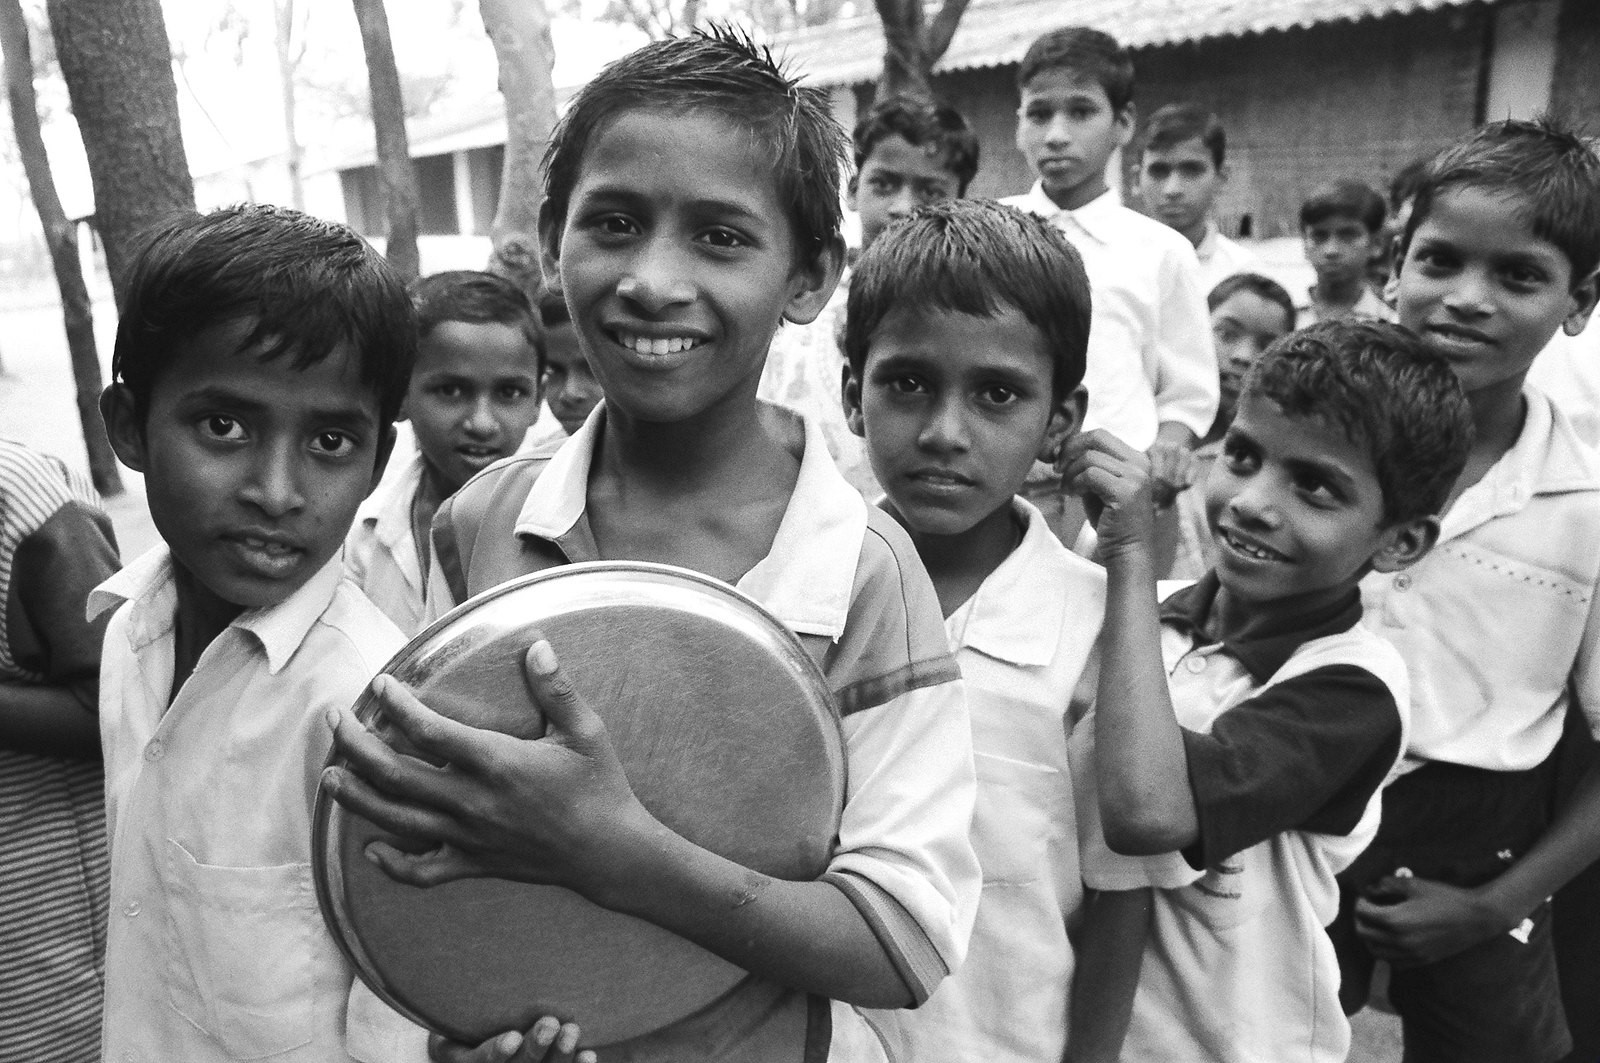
{"points": [[443, 864], [563, 707], [459, 743], [552, 1041], [407, 820], [498, 1049]]}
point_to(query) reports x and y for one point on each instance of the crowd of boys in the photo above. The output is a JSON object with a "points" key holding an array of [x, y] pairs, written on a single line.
{"points": [[1291, 708]]}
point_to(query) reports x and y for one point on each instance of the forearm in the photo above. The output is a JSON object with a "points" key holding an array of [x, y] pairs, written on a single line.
{"points": [[1176, 433], [807, 935], [1145, 796], [1110, 948], [1571, 844], [49, 720]]}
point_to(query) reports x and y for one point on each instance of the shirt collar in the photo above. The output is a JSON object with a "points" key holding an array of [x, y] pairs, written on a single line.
{"points": [[1209, 243], [388, 509], [148, 583], [805, 580], [1548, 457], [1188, 608], [1019, 612], [1097, 218]]}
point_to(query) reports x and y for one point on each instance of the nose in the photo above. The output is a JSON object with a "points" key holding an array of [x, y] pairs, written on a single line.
{"points": [[1171, 186], [480, 421], [1468, 294], [945, 429], [1059, 131], [1253, 505], [273, 485], [903, 202], [656, 278]]}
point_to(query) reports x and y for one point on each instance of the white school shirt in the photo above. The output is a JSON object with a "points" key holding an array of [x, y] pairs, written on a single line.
{"points": [[380, 553], [1221, 258], [844, 578], [215, 948], [1568, 370], [1149, 315], [1026, 643], [1500, 623]]}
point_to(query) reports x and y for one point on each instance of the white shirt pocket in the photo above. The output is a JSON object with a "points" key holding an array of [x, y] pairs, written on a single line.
{"points": [[240, 944]]}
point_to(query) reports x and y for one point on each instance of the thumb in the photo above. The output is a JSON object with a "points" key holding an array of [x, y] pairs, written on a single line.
{"points": [[563, 708], [1399, 887]]}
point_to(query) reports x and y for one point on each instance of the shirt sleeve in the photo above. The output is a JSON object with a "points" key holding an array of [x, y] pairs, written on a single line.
{"points": [[1304, 754], [905, 856], [53, 571], [1187, 383]]}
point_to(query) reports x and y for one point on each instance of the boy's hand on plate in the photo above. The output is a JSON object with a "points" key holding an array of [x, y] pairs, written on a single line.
{"points": [[549, 1041]]}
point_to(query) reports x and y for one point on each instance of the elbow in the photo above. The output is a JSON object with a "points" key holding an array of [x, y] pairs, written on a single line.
{"points": [[1135, 835]]}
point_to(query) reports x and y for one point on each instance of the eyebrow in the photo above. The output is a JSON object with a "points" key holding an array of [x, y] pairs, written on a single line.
{"points": [[626, 194], [1329, 471], [338, 416]]}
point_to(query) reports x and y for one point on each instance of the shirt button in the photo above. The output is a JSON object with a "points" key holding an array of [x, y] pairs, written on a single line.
{"points": [[154, 751], [131, 909], [1402, 581], [1196, 665]]}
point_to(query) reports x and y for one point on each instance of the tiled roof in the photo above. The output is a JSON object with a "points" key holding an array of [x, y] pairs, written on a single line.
{"points": [[998, 32]]}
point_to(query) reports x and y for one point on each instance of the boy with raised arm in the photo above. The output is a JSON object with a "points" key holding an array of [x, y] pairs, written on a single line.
{"points": [[691, 205], [1249, 720]]}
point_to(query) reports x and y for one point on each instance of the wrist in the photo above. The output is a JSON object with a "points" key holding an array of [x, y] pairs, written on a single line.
{"points": [[1502, 907]]}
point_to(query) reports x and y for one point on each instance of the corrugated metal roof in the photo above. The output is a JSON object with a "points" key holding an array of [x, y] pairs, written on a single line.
{"points": [[998, 32]]}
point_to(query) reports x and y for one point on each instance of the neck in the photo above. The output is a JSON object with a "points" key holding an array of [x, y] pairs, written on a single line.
{"points": [[1498, 413], [1078, 195], [714, 447], [1196, 233], [1342, 292], [201, 617], [1237, 620], [434, 487], [958, 564]]}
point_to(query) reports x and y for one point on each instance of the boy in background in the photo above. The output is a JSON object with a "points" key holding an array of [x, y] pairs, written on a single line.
{"points": [[56, 544], [260, 359], [1181, 170], [908, 152], [691, 204], [570, 388], [1152, 373], [1500, 627], [1249, 313], [1250, 719], [473, 396], [1341, 225], [966, 337]]}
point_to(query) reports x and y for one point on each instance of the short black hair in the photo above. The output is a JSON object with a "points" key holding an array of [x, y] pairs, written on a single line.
{"points": [[475, 296], [1346, 197], [308, 285], [1389, 393], [1175, 123], [1255, 284], [976, 257], [922, 123], [722, 71], [1553, 176], [1085, 52], [1403, 185]]}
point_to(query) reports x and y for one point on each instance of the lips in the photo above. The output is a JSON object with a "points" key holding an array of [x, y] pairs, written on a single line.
{"points": [[479, 455], [1247, 547], [268, 554], [1459, 334], [940, 479], [657, 345]]}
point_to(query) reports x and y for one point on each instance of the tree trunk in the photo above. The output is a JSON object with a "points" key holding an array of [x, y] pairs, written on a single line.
{"points": [[117, 64], [910, 49], [395, 172], [61, 236], [283, 38], [520, 30]]}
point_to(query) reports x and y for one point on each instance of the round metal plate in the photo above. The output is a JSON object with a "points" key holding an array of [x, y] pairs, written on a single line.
{"points": [[727, 733]]}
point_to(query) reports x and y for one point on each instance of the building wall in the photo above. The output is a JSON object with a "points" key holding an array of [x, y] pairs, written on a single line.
{"points": [[1301, 106], [1576, 93]]}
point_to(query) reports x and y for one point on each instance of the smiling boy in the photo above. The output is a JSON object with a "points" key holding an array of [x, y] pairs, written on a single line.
{"points": [[260, 359], [1500, 626], [692, 204], [1249, 720]]}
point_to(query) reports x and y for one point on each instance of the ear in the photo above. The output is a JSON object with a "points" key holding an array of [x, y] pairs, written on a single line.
{"points": [[1405, 543], [1065, 421], [385, 449], [850, 191], [123, 427], [1584, 295], [812, 284], [549, 247], [850, 396], [1126, 122]]}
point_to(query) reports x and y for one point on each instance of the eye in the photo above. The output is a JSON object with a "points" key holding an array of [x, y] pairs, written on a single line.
{"points": [[999, 395], [933, 192], [555, 376], [1316, 488], [723, 238], [1241, 456], [1082, 112], [221, 426], [614, 224], [333, 444], [1525, 276], [882, 184], [904, 384], [449, 389], [1039, 115], [512, 392]]}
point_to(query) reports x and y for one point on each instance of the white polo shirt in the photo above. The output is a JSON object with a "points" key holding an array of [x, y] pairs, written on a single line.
{"points": [[846, 579], [1149, 315], [1289, 740], [1026, 642], [1500, 624], [1221, 258], [216, 949]]}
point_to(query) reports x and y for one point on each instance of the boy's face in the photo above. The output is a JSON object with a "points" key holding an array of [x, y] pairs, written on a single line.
{"points": [[1179, 183], [1068, 130], [1338, 249], [678, 262], [570, 388], [253, 470], [955, 409], [1295, 508], [474, 394], [1483, 291], [896, 178], [1242, 326]]}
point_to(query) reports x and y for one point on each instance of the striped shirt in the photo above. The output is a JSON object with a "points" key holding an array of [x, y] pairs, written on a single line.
{"points": [[55, 544]]}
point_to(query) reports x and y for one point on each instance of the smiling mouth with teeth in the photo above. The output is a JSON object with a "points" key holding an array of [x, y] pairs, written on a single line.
{"points": [[1260, 553], [648, 345]]}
